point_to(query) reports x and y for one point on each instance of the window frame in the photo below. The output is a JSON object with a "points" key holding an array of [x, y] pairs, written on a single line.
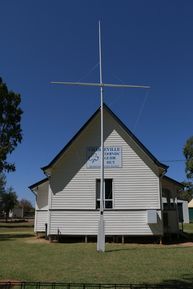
{"points": [[98, 181]]}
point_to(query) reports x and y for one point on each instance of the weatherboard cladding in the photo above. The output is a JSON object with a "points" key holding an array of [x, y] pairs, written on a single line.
{"points": [[41, 218], [37, 184], [72, 197], [73, 186], [116, 223], [42, 197], [41, 206], [135, 184]]}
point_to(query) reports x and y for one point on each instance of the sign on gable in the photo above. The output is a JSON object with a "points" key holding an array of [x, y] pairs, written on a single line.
{"points": [[112, 157]]}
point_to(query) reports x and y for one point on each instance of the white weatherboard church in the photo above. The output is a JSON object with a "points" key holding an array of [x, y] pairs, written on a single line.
{"points": [[67, 200]]}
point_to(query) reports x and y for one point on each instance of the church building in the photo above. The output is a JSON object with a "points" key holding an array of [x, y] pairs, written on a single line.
{"points": [[68, 199]]}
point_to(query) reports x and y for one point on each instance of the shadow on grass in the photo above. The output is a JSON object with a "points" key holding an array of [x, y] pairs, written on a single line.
{"points": [[121, 249], [15, 226], [185, 282], [182, 238], [8, 237]]}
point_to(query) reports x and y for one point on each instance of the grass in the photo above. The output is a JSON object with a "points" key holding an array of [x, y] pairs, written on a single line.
{"points": [[188, 228], [23, 257], [16, 228]]}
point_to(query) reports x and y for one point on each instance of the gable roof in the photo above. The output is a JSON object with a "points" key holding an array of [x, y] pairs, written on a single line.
{"points": [[173, 181], [38, 184], [136, 140]]}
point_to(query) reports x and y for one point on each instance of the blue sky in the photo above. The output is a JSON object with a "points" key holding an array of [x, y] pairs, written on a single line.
{"points": [[143, 42]]}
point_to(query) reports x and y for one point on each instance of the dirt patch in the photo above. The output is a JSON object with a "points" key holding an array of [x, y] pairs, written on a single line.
{"points": [[35, 240], [186, 244]]}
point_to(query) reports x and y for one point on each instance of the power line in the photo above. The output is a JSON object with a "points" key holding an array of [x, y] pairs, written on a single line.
{"points": [[89, 72], [141, 110]]}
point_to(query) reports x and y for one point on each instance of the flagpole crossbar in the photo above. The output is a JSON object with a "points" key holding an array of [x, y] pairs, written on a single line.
{"points": [[101, 84]]}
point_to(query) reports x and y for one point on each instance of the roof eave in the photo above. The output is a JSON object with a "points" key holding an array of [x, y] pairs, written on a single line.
{"points": [[155, 160], [32, 187], [174, 182], [50, 165]]}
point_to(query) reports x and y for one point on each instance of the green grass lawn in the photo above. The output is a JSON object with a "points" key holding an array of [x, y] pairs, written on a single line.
{"points": [[188, 228], [16, 228], [22, 257]]}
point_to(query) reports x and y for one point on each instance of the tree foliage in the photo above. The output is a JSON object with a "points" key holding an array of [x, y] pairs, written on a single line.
{"points": [[187, 193], [9, 201], [2, 183], [2, 189], [10, 128], [26, 205], [188, 153]]}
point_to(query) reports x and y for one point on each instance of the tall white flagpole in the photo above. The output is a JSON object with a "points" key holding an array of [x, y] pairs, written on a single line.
{"points": [[101, 224], [101, 227]]}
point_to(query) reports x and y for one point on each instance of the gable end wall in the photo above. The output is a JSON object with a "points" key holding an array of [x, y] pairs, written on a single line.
{"points": [[135, 185]]}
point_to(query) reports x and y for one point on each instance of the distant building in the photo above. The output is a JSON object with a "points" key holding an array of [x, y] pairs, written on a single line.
{"points": [[17, 213], [190, 209], [67, 201], [183, 213]]}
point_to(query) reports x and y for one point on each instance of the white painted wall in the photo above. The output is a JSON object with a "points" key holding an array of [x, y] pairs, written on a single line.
{"points": [[41, 213], [135, 184], [42, 196], [73, 186], [41, 218], [116, 223]]}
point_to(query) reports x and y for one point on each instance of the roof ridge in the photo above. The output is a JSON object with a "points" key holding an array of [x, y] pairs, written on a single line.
{"points": [[155, 160]]}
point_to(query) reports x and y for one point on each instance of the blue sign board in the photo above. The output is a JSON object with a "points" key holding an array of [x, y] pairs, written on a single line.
{"points": [[112, 157]]}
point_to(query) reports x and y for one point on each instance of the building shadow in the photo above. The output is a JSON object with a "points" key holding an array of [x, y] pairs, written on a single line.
{"points": [[185, 282]]}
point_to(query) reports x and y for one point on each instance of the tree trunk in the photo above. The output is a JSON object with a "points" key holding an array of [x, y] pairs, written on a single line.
{"points": [[6, 216]]}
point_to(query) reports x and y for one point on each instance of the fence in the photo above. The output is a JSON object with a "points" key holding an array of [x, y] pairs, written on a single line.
{"points": [[57, 285]]}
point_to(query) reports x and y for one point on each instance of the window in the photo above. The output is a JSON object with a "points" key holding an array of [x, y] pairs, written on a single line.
{"points": [[108, 194]]}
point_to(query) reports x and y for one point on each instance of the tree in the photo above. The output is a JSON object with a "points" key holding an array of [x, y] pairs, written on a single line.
{"points": [[187, 193], [10, 129], [9, 201], [188, 153], [2, 191], [2, 183], [26, 205]]}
